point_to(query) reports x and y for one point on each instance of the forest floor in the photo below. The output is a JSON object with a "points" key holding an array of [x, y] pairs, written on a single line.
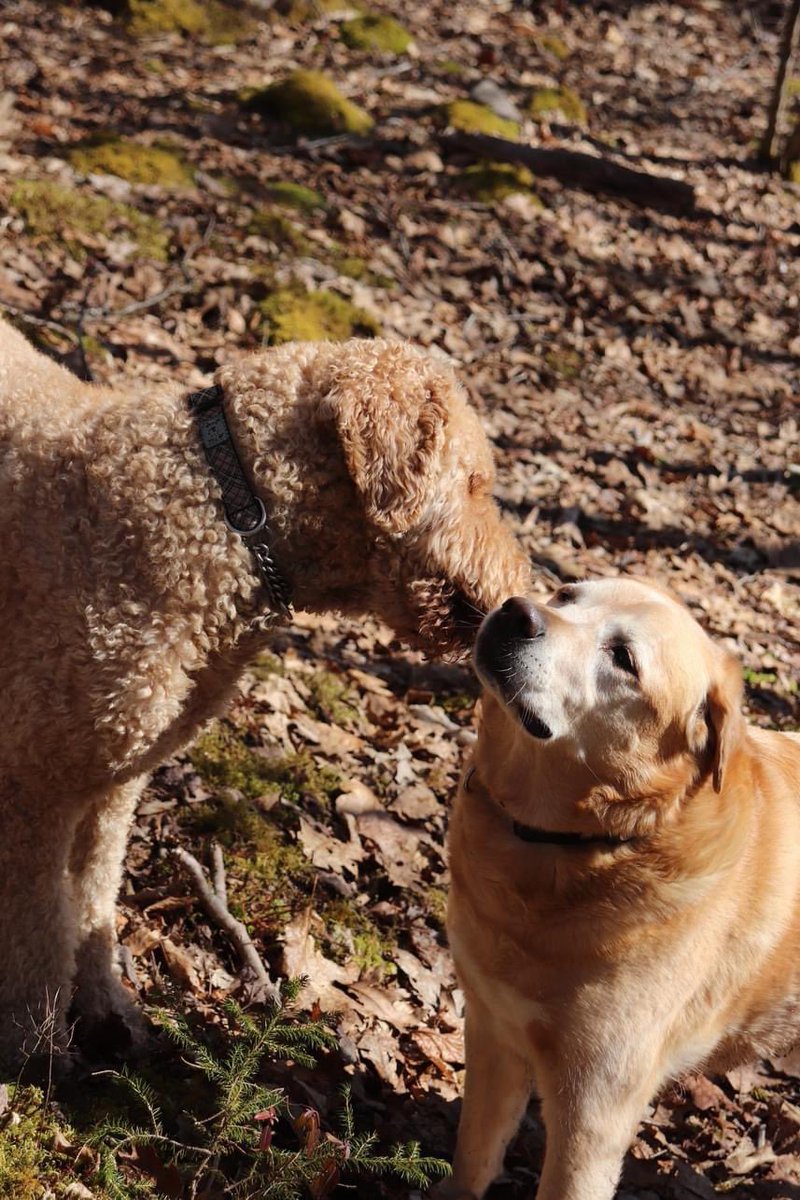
{"points": [[636, 369]]}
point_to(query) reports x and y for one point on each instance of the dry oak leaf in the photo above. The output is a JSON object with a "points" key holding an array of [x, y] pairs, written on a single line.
{"points": [[396, 847], [301, 957], [180, 964], [328, 852], [387, 1003]]}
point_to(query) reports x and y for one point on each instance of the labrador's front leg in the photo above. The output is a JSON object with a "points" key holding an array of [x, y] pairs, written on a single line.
{"points": [[499, 1084], [591, 1112]]}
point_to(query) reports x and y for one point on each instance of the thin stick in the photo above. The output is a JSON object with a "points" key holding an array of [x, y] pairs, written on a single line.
{"points": [[218, 911]]}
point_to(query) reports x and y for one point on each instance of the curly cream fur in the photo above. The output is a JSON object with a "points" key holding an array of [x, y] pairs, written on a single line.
{"points": [[129, 608]]}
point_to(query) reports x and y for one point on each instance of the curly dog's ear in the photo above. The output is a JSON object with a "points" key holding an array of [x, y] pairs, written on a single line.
{"points": [[391, 416]]}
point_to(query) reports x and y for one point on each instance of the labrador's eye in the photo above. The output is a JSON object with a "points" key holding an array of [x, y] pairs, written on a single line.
{"points": [[565, 595], [623, 659]]}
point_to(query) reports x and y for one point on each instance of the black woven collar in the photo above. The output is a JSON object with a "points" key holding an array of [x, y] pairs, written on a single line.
{"points": [[553, 837], [244, 511], [550, 837]]}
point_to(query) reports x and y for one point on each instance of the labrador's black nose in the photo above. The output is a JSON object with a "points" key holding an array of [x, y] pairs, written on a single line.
{"points": [[521, 618]]}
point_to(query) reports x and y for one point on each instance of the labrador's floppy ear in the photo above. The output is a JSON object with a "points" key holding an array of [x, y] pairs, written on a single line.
{"points": [[390, 408], [723, 714]]}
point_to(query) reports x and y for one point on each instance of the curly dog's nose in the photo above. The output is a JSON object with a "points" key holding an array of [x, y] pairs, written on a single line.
{"points": [[522, 618]]}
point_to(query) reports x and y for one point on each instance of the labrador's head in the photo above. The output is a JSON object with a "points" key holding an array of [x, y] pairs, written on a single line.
{"points": [[610, 690]]}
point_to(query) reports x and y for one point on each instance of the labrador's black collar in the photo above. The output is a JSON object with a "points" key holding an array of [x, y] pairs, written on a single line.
{"points": [[553, 837]]}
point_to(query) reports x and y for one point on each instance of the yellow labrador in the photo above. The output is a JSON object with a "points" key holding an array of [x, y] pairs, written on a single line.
{"points": [[625, 902]]}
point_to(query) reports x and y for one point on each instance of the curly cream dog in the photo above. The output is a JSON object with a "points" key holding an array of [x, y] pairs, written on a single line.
{"points": [[625, 856], [129, 608]]}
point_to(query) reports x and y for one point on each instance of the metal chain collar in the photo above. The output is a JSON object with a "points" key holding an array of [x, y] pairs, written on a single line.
{"points": [[244, 512]]}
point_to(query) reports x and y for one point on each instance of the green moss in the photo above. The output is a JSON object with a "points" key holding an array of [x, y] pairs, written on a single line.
{"points": [[477, 118], [60, 214], [567, 364], [793, 171], [458, 702], [450, 67], [552, 44], [564, 100], [435, 902], [355, 267], [294, 315], [375, 32], [332, 699], [489, 181], [294, 195], [266, 666], [224, 761], [209, 20], [309, 102], [759, 678], [109, 155], [280, 230], [353, 937], [29, 1168], [268, 876], [793, 86]]}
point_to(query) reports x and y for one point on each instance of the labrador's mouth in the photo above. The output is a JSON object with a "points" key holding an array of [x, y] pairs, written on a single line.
{"points": [[534, 725]]}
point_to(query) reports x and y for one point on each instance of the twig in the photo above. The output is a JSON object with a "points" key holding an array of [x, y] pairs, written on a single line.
{"points": [[42, 322], [580, 170], [102, 313], [217, 909]]}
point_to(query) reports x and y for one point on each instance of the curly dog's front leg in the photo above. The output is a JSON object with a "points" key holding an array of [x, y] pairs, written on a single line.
{"points": [[108, 1018], [37, 926]]}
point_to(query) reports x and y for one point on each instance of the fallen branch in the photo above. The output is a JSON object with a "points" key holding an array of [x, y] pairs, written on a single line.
{"points": [[580, 170], [216, 907]]}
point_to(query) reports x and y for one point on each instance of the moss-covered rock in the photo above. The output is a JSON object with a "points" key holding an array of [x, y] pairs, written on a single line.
{"points": [[61, 214], [294, 195], [280, 230], [564, 100], [375, 32], [564, 362], [449, 66], [358, 268], [551, 43], [477, 118], [309, 102], [295, 315], [490, 181], [305, 12], [209, 20], [110, 155]]}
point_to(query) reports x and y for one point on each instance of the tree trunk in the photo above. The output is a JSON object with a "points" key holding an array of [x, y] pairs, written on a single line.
{"points": [[768, 150]]}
